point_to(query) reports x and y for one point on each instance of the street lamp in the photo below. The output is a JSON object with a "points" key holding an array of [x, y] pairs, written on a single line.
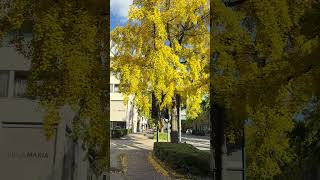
{"points": [[179, 123]]}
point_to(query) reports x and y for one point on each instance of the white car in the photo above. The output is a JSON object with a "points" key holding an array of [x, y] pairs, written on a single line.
{"points": [[189, 131], [150, 131]]}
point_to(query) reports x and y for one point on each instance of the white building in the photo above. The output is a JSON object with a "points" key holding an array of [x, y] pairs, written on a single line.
{"points": [[121, 114], [124, 116], [24, 151]]}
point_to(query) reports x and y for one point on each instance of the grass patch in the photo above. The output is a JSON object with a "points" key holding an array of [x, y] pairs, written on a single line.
{"points": [[183, 158], [163, 137]]}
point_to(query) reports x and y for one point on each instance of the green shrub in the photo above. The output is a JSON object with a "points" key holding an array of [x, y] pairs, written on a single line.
{"points": [[117, 133], [184, 158], [124, 132]]}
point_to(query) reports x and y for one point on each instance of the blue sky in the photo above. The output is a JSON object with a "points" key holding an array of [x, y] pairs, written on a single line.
{"points": [[119, 12]]}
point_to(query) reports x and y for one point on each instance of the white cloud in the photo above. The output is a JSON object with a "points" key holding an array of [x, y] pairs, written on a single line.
{"points": [[120, 8]]}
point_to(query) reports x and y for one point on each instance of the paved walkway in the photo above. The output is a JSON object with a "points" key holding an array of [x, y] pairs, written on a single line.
{"points": [[129, 159]]}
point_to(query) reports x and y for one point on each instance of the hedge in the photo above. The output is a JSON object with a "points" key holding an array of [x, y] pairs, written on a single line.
{"points": [[184, 158], [117, 133]]}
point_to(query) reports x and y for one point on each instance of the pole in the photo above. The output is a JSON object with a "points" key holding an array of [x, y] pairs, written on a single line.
{"points": [[179, 123], [169, 128], [157, 131], [168, 131], [243, 156]]}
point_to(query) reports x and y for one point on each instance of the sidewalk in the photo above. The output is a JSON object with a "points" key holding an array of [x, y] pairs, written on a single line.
{"points": [[129, 159]]}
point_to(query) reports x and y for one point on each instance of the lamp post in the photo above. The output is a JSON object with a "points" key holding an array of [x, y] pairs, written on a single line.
{"points": [[157, 131], [179, 123], [243, 156]]}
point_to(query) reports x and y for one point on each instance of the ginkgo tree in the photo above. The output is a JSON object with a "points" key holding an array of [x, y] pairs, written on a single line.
{"points": [[164, 49], [264, 71]]}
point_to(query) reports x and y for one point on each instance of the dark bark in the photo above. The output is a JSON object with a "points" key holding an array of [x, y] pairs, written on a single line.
{"points": [[234, 3], [211, 92], [218, 141], [217, 115], [179, 121], [155, 113], [174, 121], [105, 98]]}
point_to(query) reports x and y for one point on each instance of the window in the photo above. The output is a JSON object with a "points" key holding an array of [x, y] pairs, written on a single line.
{"points": [[120, 124], [111, 88], [116, 88], [20, 83], [4, 83]]}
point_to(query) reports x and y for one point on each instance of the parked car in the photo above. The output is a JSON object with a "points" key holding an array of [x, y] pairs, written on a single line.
{"points": [[189, 131], [118, 132], [198, 133], [150, 131]]}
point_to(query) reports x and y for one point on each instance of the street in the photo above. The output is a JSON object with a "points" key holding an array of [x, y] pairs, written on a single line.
{"points": [[232, 162], [129, 158], [200, 142]]}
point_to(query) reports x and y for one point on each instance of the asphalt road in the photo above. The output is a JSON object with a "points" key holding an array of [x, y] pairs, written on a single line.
{"points": [[136, 146], [232, 162], [200, 142]]}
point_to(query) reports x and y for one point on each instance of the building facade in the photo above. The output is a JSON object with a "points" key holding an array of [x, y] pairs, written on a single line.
{"points": [[25, 152], [21, 122], [124, 115]]}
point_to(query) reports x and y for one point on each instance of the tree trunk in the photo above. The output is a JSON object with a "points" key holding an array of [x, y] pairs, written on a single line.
{"points": [[179, 117], [162, 125], [218, 139], [155, 114], [105, 98], [212, 162], [174, 122], [132, 117]]}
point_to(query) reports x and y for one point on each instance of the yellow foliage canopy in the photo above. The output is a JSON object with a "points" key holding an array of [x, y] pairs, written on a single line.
{"points": [[164, 49]]}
